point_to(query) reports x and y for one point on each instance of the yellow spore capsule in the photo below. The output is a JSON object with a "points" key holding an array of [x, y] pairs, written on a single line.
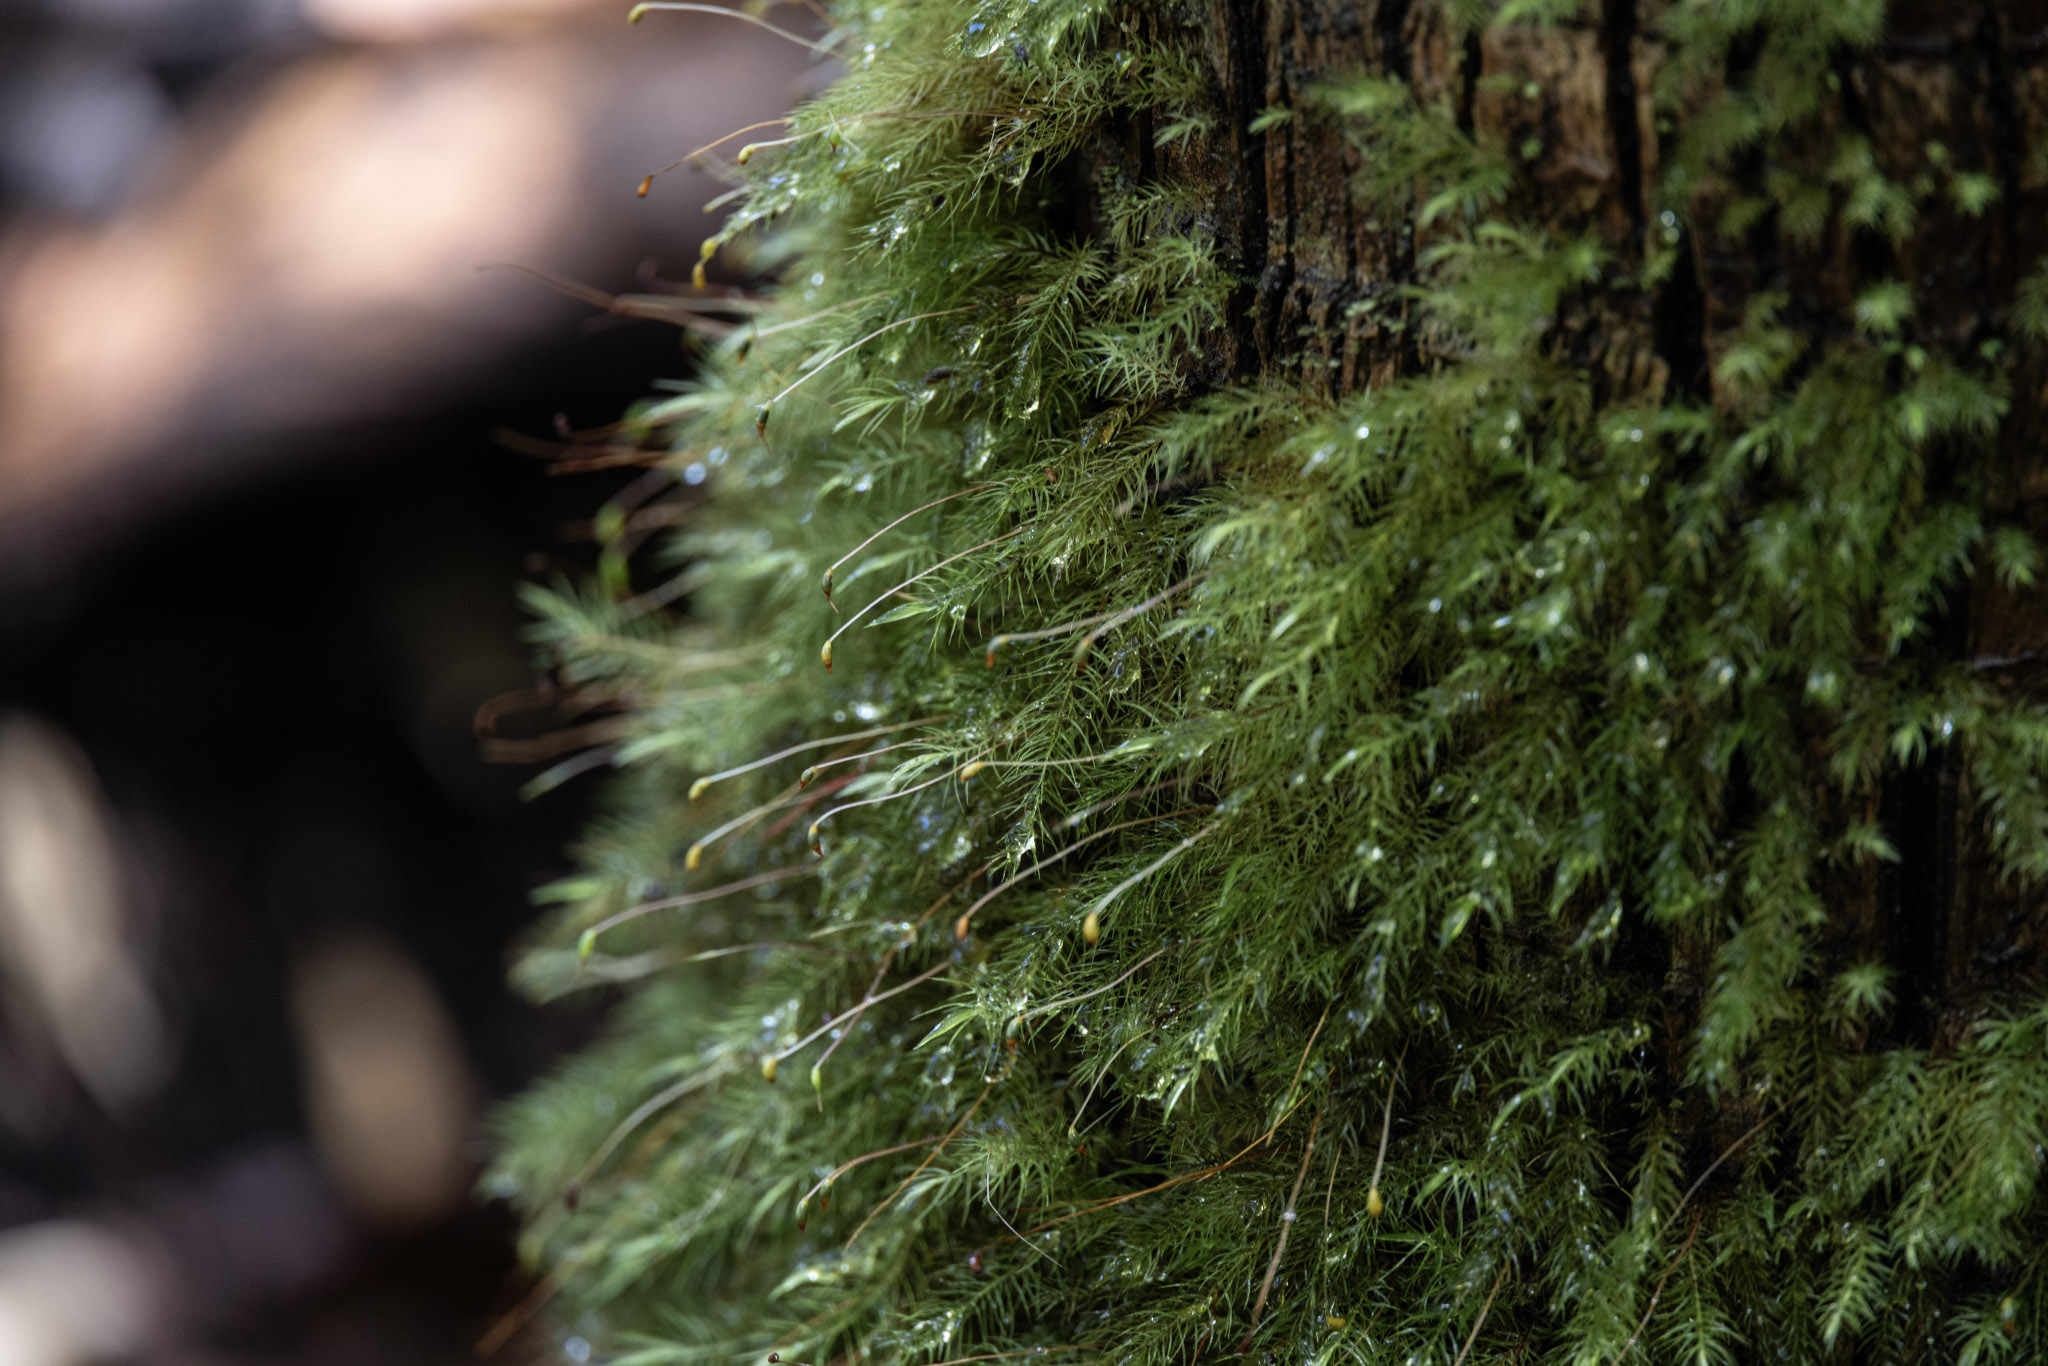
{"points": [[813, 837], [825, 656], [697, 278], [818, 1078], [1375, 1206], [633, 15], [960, 928], [586, 944], [807, 777], [697, 788], [1335, 1320], [694, 857], [746, 154], [707, 249], [1091, 928], [646, 184], [768, 1069], [970, 770]]}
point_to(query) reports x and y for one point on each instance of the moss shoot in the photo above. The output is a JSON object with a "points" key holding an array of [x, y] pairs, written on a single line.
{"points": [[1263, 868]]}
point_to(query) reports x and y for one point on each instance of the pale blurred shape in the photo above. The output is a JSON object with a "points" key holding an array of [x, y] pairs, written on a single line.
{"points": [[371, 187], [104, 331], [72, 1293], [307, 260], [63, 925], [408, 21], [388, 1094]]}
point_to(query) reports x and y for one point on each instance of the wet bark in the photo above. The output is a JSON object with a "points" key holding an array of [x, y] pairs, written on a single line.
{"points": [[1574, 104]]}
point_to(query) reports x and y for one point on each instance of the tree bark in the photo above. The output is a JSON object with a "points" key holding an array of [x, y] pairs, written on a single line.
{"points": [[1576, 105]]}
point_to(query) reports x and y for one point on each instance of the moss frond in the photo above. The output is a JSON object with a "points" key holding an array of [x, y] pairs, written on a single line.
{"points": [[1443, 732]]}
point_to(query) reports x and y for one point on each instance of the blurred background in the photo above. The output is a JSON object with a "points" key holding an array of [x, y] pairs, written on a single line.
{"points": [[260, 535]]}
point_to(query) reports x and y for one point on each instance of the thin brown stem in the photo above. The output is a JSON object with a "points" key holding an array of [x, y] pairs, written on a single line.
{"points": [[1058, 763], [1480, 1322], [1387, 1121], [793, 795], [633, 16], [1074, 1127], [867, 1001], [853, 1162], [1103, 902], [647, 182], [1088, 641], [1691, 1233], [961, 926], [692, 898], [1069, 822], [1023, 1352], [930, 1158], [1199, 1174], [825, 651], [1287, 1219], [1715, 1165], [882, 968], [520, 1314], [697, 788], [1075, 1000], [1658, 1293], [826, 582], [660, 1100], [858, 343], [872, 801], [1314, 1034], [809, 775], [652, 307], [1012, 637]]}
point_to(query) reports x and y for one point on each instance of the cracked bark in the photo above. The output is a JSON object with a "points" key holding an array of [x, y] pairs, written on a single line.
{"points": [[1573, 102]]}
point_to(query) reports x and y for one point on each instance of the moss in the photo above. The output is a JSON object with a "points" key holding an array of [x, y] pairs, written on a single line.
{"points": [[1286, 813]]}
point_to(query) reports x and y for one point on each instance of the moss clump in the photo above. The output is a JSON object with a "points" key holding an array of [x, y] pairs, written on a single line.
{"points": [[1333, 878]]}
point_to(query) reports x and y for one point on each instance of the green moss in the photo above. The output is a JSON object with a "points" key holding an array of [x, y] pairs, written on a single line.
{"points": [[1396, 746]]}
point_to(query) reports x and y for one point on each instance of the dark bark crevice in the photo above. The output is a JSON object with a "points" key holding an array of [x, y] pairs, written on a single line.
{"points": [[1871, 257], [1680, 321], [1303, 252], [1913, 890], [2008, 141], [1471, 59], [1394, 38], [1283, 211], [1617, 42], [1237, 174]]}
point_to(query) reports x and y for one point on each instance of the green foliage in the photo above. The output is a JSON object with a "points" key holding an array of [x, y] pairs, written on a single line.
{"points": [[1222, 774]]}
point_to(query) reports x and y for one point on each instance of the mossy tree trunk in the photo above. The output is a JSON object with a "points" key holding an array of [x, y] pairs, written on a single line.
{"points": [[1949, 85], [1554, 494]]}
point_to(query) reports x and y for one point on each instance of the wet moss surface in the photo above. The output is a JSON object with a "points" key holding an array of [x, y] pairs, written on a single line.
{"points": [[1348, 793]]}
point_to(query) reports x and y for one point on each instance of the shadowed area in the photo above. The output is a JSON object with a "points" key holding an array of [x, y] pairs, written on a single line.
{"points": [[259, 548]]}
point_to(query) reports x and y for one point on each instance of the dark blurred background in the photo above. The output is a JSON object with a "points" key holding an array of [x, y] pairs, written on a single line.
{"points": [[258, 556]]}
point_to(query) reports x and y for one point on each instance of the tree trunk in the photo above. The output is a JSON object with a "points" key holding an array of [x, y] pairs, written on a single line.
{"points": [[1544, 490], [1961, 85]]}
